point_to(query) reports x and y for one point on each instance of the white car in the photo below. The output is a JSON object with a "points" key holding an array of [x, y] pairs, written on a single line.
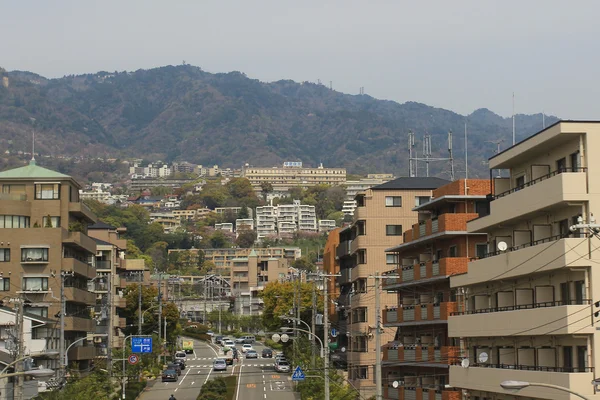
{"points": [[246, 347], [229, 343]]}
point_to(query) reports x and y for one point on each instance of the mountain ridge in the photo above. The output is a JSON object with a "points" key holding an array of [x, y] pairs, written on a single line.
{"points": [[184, 113]]}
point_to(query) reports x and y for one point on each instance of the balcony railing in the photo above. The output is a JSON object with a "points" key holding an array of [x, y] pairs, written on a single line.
{"points": [[14, 197], [426, 270], [525, 306], [418, 312], [421, 354], [534, 368], [525, 245], [541, 178], [103, 264]]}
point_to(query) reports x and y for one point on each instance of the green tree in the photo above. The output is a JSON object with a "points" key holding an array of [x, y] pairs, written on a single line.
{"points": [[278, 298], [246, 238], [244, 213], [265, 189]]}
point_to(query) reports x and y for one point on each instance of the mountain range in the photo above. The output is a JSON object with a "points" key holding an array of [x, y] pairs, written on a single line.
{"points": [[176, 113]]}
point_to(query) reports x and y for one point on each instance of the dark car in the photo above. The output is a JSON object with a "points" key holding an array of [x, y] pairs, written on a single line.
{"points": [[170, 375], [267, 353], [218, 339], [251, 354], [176, 367], [181, 363]]}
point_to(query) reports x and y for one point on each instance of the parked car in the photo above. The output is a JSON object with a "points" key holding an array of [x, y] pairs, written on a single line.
{"points": [[282, 366], [246, 347], [176, 367], [169, 375], [251, 354], [267, 353], [180, 362], [220, 365]]}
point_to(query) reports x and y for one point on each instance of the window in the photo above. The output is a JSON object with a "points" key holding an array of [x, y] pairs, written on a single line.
{"points": [[579, 292], [393, 230], [419, 200], [35, 284], [520, 181], [481, 250], [47, 191], [4, 255], [361, 373], [359, 315], [575, 161], [34, 255], [51, 222], [581, 358], [568, 358], [453, 251], [561, 165], [361, 256], [4, 284], [14, 221], [41, 311], [393, 201], [14, 189], [391, 259]]}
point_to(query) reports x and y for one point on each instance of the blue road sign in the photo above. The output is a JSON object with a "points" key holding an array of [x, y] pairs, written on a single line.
{"points": [[141, 345], [334, 332], [298, 375]]}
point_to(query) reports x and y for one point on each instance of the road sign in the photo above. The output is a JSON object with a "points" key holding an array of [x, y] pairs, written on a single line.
{"points": [[334, 332], [141, 344], [298, 375], [133, 359]]}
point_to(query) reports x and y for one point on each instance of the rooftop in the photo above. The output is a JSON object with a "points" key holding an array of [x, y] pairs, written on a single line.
{"points": [[101, 225], [32, 171], [415, 183]]}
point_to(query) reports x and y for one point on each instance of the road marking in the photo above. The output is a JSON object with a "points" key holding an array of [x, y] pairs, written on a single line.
{"points": [[251, 385], [186, 374], [265, 395], [175, 389], [208, 376], [193, 382], [237, 390]]}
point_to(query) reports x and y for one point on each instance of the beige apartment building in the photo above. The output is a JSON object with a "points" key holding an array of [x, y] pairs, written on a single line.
{"points": [[293, 174], [526, 306], [381, 214], [43, 245], [113, 274], [416, 361]]}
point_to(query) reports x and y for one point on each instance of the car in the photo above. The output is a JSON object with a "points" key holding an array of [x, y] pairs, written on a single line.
{"points": [[169, 375], [251, 354], [239, 340], [279, 356], [180, 355], [282, 366], [210, 333], [175, 366], [249, 339], [218, 339], [229, 343], [220, 365], [267, 353], [246, 347], [181, 363]]}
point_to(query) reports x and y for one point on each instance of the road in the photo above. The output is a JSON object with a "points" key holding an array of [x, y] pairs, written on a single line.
{"points": [[257, 379]]}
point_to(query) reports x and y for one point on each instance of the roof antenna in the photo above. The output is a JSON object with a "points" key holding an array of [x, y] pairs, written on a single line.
{"points": [[32, 162]]}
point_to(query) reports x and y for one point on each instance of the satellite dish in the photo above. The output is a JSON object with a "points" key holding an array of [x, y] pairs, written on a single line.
{"points": [[483, 357], [395, 384], [502, 246], [465, 363]]}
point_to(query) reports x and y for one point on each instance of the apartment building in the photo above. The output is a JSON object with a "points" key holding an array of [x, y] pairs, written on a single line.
{"points": [[167, 219], [382, 211], [293, 174], [327, 225], [43, 235], [415, 362], [244, 224], [225, 226], [113, 274], [526, 306], [266, 221], [234, 211]]}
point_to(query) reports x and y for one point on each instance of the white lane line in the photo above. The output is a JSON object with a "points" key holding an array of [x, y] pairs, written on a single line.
{"points": [[186, 374], [265, 395], [208, 376], [175, 389], [237, 390], [193, 382]]}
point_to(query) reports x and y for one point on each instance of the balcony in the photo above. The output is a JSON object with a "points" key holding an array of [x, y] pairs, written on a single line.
{"points": [[82, 211], [345, 276], [488, 380], [81, 353], [120, 302], [422, 355], [122, 323], [449, 222], [79, 324], [525, 320], [424, 272], [104, 265], [78, 267], [360, 242], [525, 260], [79, 239], [420, 314], [343, 249], [420, 393], [80, 296], [547, 192]]}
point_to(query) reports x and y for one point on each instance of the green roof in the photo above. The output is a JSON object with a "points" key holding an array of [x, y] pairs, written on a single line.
{"points": [[253, 254], [32, 171]]}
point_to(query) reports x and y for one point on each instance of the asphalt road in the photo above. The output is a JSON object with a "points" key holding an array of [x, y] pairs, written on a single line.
{"points": [[257, 380]]}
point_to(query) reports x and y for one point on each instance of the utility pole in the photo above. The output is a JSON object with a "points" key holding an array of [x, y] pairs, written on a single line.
{"points": [[18, 385], [140, 274], [109, 337], [220, 291], [63, 312], [314, 321], [378, 380], [326, 335], [159, 315]]}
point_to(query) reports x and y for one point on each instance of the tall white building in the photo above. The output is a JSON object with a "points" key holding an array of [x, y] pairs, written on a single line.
{"points": [[266, 221]]}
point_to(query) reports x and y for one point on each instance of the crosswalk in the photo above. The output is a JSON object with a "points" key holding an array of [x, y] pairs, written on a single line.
{"points": [[270, 365]]}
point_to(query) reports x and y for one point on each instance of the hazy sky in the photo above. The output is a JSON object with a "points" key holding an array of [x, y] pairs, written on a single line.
{"points": [[458, 55]]}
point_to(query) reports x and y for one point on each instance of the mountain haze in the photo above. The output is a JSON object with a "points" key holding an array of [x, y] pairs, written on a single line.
{"points": [[183, 113]]}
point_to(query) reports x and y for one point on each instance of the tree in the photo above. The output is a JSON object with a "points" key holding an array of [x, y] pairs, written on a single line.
{"points": [[246, 238], [244, 213], [265, 189], [278, 298]]}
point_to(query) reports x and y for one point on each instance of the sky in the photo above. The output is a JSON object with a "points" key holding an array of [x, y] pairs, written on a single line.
{"points": [[459, 55]]}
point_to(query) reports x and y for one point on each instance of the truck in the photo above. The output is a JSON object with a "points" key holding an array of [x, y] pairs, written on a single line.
{"points": [[188, 346]]}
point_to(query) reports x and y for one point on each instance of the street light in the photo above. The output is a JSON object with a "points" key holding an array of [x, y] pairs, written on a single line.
{"points": [[518, 385], [146, 310], [36, 373]]}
